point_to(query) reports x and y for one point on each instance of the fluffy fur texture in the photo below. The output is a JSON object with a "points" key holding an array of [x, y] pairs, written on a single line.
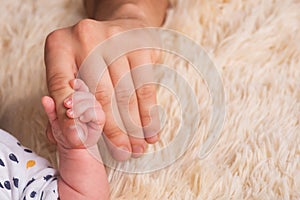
{"points": [[256, 48]]}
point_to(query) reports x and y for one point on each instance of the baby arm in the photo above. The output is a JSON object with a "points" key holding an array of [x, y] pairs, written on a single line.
{"points": [[81, 172]]}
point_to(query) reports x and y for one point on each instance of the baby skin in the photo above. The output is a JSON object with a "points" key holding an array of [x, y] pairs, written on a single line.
{"points": [[81, 172]]}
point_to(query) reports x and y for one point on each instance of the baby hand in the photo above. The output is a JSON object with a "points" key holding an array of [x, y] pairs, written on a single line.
{"points": [[86, 117], [85, 122]]}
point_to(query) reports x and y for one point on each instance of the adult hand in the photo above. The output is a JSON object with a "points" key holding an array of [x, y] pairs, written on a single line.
{"points": [[65, 51]]}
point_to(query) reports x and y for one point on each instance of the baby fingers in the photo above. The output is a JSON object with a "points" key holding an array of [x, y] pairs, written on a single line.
{"points": [[78, 97], [94, 115], [79, 103]]}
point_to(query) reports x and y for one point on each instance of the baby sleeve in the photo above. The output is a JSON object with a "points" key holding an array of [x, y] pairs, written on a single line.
{"points": [[23, 174]]}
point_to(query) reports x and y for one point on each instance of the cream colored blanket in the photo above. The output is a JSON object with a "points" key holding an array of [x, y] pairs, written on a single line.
{"points": [[255, 45]]}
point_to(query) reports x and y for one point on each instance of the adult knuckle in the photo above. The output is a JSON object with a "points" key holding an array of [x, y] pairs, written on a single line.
{"points": [[146, 118], [146, 91], [103, 96], [84, 28], [54, 39], [135, 132], [112, 30], [125, 97], [113, 132], [85, 25], [56, 83]]}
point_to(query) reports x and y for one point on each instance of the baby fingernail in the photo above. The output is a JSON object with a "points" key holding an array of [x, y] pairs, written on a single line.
{"points": [[68, 101], [70, 112]]}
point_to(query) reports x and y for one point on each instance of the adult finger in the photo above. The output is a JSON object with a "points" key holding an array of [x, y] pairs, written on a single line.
{"points": [[60, 67], [117, 141], [127, 103], [141, 64]]}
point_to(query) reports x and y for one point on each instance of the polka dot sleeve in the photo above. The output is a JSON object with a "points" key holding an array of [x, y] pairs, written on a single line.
{"points": [[23, 174]]}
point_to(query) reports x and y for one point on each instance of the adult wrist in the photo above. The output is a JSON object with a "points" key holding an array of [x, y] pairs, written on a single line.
{"points": [[125, 11]]}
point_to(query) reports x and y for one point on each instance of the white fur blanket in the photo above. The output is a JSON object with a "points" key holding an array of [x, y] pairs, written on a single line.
{"points": [[256, 48]]}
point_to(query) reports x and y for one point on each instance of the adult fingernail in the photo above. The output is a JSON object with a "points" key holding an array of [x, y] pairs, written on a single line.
{"points": [[137, 149], [124, 148], [153, 139], [121, 153]]}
